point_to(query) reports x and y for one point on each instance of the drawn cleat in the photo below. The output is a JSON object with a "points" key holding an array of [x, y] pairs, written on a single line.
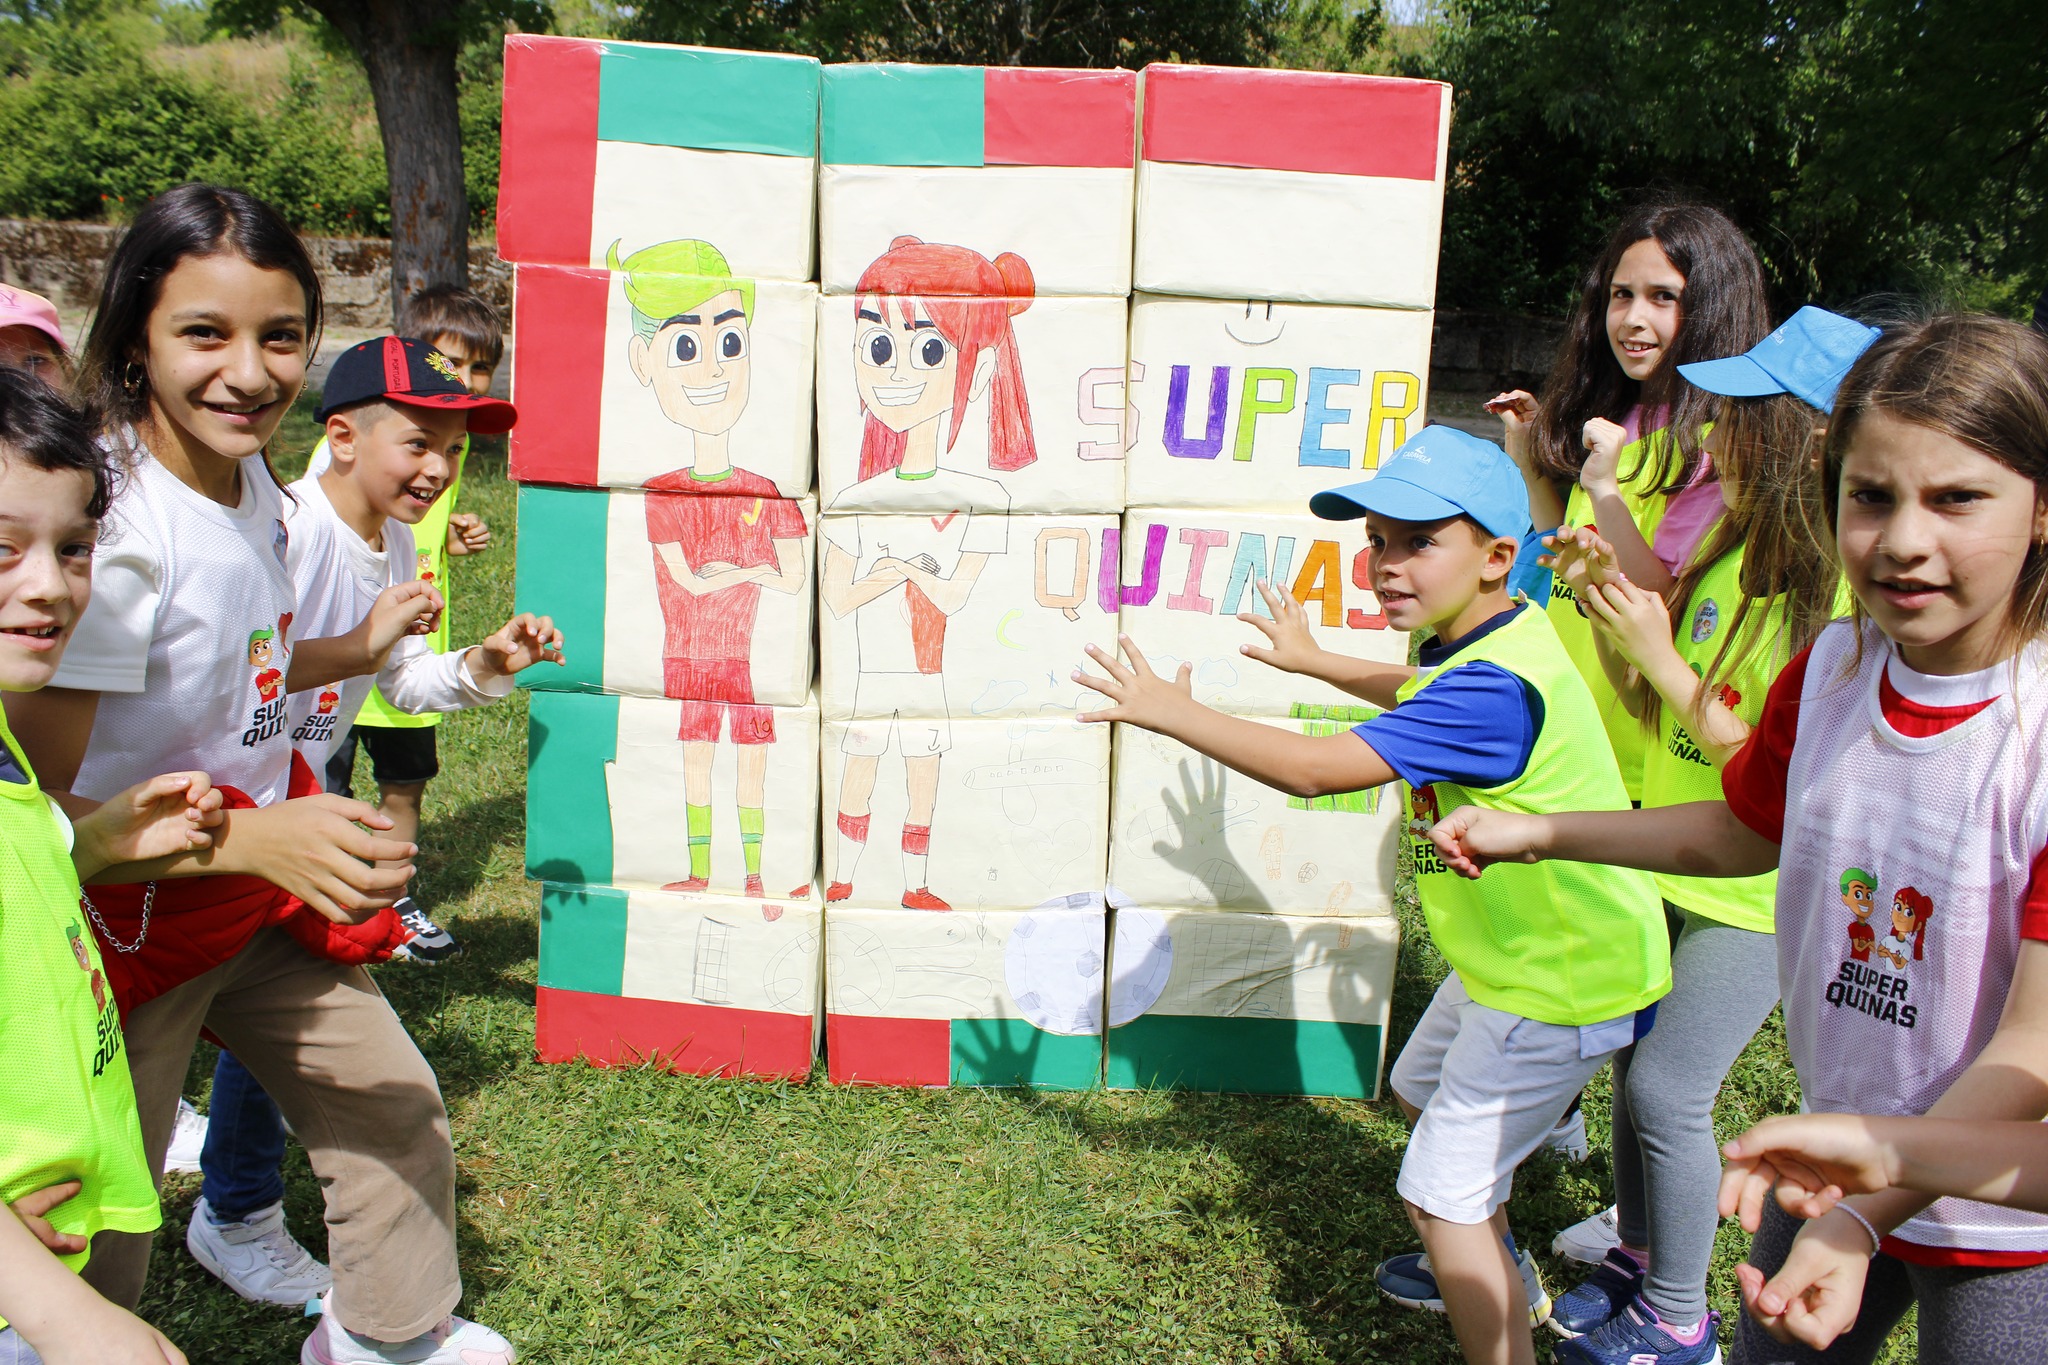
{"points": [[839, 891], [754, 888], [687, 884], [802, 893], [923, 899]]}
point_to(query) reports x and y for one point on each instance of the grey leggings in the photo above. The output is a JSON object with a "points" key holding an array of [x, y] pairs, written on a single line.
{"points": [[1667, 1166], [1967, 1316]]}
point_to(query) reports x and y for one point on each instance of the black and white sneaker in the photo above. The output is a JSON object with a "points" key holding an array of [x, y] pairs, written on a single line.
{"points": [[430, 943]]}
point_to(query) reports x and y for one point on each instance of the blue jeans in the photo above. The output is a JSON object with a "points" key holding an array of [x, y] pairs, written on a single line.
{"points": [[241, 1166]]}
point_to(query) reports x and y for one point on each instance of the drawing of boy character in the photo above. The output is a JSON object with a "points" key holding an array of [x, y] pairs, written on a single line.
{"points": [[720, 533], [1859, 893], [933, 335], [268, 680], [1911, 909]]}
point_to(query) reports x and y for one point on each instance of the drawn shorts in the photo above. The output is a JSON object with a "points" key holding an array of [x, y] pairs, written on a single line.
{"points": [[717, 694]]}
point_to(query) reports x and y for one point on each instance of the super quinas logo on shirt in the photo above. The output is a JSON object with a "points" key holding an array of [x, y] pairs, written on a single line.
{"points": [[268, 648]]}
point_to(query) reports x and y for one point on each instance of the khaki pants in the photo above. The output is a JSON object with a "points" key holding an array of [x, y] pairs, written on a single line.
{"points": [[321, 1039]]}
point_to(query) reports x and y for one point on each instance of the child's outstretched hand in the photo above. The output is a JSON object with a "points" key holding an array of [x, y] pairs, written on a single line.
{"points": [[1471, 838], [1141, 697], [1634, 622], [519, 644], [1601, 473], [1810, 1161], [467, 534], [174, 813], [1288, 644], [1517, 413], [400, 610]]}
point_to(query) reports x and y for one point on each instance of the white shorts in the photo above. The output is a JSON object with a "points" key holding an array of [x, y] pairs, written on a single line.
{"points": [[913, 705], [1490, 1085]]}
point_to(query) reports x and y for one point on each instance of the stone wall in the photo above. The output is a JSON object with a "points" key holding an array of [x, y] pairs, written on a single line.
{"points": [[1478, 351], [63, 262]]}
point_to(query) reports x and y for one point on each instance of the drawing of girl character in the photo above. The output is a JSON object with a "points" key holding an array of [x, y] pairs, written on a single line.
{"points": [[1911, 909], [932, 336]]}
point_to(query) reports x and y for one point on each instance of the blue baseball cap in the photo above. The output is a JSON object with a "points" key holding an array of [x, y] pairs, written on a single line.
{"points": [[1806, 358], [1438, 472]]}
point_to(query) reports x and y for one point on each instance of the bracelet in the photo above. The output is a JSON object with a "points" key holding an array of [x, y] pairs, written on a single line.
{"points": [[1876, 1242]]}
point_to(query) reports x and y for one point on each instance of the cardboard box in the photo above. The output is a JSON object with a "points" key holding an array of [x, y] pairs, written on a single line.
{"points": [[643, 142], [1240, 405], [1250, 1004], [971, 998], [1309, 186], [698, 984], [605, 564], [1000, 159], [626, 376], [615, 795]]}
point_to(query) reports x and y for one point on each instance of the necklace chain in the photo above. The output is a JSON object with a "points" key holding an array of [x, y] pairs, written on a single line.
{"points": [[148, 902]]}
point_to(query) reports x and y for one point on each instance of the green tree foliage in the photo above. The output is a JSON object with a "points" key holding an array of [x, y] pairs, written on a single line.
{"points": [[1867, 145]]}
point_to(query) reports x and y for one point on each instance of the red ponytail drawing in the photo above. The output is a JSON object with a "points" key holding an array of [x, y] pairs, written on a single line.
{"points": [[970, 301], [1920, 906]]}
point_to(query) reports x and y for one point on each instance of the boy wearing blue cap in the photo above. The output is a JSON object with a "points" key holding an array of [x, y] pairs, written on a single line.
{"points": [[1555, 965]]}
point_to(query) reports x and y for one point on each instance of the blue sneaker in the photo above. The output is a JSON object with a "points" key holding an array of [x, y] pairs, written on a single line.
{"points": [[1409, 1281], [1615, 1283], [1638, 1337]]}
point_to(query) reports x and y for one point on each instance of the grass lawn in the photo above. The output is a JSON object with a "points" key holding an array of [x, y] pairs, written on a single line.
{"points": [[636, 1216]]}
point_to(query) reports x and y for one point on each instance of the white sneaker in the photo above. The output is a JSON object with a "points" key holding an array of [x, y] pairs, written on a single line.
{"points": [[1568, 1139], [258, 1259], [457, 1341], [187, 1139], [1588, 1241]]}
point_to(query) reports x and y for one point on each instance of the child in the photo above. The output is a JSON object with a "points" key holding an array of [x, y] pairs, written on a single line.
{"points": [[464, 327], [1550, 974], [396, 423], [71, 1159], [30, 338], [198, 347], [1756, 592], [1906, 747], [1614, 440]]}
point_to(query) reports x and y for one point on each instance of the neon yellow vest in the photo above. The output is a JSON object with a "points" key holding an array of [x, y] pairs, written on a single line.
{"points": [[67, 1106], [1624, 732], [430, 540], [1677, 770], [1559, 942]]}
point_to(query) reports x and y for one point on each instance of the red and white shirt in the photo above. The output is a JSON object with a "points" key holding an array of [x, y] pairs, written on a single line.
{"points": [[1935, 789]]}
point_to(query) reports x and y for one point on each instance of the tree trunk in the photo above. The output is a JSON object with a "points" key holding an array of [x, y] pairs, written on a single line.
{"points": [[408, 51]]}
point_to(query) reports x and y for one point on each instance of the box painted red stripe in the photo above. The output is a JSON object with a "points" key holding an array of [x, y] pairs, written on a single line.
{"points": [[700, 1040], [558, 317], [1043, 116], [864, 1051], [547, 170], [1293, 121]]}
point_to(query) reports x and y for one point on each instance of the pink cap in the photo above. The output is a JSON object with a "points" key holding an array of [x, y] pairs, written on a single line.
{"points": [[19, 308]]}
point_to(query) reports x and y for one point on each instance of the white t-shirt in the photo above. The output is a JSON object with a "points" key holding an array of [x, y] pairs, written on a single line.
{"points": [[188, 636], [338, 575], [883, 627]]}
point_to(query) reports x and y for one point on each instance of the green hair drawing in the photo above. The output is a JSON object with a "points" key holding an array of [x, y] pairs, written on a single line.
{"points": [[669, 279], [262, 635], [1852, 876]]}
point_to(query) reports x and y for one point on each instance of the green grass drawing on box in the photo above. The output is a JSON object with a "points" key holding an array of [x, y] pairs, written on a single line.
{"points": [[1334, 718], [638, 1218]]}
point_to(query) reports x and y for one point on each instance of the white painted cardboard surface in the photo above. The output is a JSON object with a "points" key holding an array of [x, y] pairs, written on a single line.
{"points": [[1044, 964], [1187, 831], [1020, 813], [1214, 965], [1233, 232], [1208, 564], [649, 788], [758, 209], [1009, 650], [634, 634], [1072, 223], [1310, 396], [713, 950], [1071, 353], [638, 440]]}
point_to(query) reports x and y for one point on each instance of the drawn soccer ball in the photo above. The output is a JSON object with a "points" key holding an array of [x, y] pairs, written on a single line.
{"points": [[1052, 964]]}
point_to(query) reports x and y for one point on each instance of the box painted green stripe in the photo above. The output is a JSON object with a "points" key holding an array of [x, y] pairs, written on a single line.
{"points": [[893, 115], [721, 101], [560, 573], [583, 939], [1016, 1052], [569, 740], [1248, 1056]]}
